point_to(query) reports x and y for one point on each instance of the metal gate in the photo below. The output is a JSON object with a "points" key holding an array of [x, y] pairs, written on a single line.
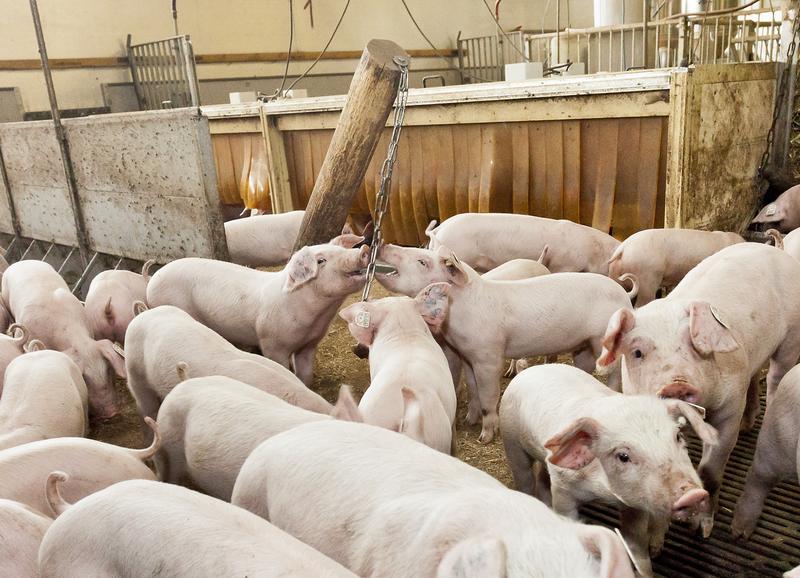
{"points": [[164, 73]]}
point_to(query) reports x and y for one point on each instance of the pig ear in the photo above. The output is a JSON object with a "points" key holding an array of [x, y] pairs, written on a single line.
{"points": [[114, 359], [620, 323], [474, 558], [346, 408], [708, 332], [302, 268], [432, 303], [347, 229], [572, 448], [704, 431], [412, 424], [347, 240], [604, 544], [360, 322], [455, 268]]}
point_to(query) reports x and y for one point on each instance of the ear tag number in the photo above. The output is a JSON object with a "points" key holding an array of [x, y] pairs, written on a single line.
{"points": [[362, 319]]}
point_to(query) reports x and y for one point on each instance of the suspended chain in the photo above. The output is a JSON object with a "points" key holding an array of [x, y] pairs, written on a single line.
{"points": [[382, 199], [783, 85]]}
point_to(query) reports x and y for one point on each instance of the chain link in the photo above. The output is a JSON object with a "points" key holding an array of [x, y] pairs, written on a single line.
{"points": [[382, 199], [780, 96]]}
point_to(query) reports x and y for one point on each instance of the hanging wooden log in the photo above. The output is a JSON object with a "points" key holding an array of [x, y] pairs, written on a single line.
{"points": [[369, 101]]}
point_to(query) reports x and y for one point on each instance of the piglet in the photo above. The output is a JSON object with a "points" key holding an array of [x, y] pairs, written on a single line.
{"points": [[594, 444], [146, 528], [92, 465], [209, 425], [111, 299], [163, 337], [22, 529], [44, 397], [489, 321], [385, 506], [486, 240], [411, 389], [791, 244], [776, 457], [783, 214], [39, 299], [12, 345], [707, 341], [263, 240], [285, 313], [662, 257]]}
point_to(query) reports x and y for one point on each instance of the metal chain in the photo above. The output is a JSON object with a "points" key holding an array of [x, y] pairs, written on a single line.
{"points": [[780, 96], [382, 199]]}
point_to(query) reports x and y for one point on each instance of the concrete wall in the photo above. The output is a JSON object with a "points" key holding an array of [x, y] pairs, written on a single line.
{"points": [[98, 28]]}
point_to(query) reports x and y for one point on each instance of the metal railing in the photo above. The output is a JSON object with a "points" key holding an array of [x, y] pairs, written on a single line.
{"points": [[164, 73], [680, 40]]}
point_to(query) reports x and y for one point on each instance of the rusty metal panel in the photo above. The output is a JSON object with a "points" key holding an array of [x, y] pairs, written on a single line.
{"points": [[37, 182], [147, 184]]}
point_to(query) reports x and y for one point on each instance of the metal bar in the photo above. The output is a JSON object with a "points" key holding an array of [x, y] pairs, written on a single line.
{"points": [[9, 199], [460, 47], [28, 250], [118, 263], [194, 90], [646, 21], [66, 259], [85, 273], [134, 74], [47, 253], [12, 246], [558, 31], [61, 135]]}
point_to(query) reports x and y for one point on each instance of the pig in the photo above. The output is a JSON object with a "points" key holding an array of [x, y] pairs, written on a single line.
{"points": [[776, 457], [707, 341], [486, 240], [782, 214], [593, 444], [44, 397], [110, 301], [161, 338], [5, 318], [209, 425], [92, 466], [22, 529], [516, 269], [263, 240], [390, 507], [285, 313], [791, 244], [12, 345], [662, 257], [411, 389], [39, 299], [513, 318], [148, 528]]}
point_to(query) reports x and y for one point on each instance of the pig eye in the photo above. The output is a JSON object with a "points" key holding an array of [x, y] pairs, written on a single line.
{"points": [[623, 457], [422, 262], [637, 353], [321, 260]]}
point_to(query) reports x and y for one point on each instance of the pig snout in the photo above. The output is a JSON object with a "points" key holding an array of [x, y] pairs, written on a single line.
{"points": [[693, 502]]}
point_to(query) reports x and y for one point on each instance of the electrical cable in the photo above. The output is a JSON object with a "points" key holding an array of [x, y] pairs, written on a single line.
{"points": [[436, 50], [500, 29], [289, 52]]}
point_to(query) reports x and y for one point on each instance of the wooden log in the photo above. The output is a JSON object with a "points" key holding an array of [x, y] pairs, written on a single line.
{"points": [[369, 101]]}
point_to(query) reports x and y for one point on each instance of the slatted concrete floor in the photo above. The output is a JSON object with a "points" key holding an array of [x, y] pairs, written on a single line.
{"points": [[772, 549]]}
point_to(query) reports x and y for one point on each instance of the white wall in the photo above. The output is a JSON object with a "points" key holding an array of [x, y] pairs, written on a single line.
{"points": [[98, 28]]}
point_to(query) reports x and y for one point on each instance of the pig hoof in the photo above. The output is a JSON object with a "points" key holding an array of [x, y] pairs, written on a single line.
{"points": [[742, 529], [486, 437], [656, 546]]}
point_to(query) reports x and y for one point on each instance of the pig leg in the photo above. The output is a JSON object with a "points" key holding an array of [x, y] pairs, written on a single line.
{"points": [[634, 525], [146, 400], [649, 284], [454, 363], [474, 403], [753, 406], [521, 466], [770, 466], [784, 358], [712, 464], [304, 364], [487, 376]]}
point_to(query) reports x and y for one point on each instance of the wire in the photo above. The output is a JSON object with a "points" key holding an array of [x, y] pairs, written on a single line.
{"points": [[279, 92], [436, 50], [319, 57], [503, 32]]}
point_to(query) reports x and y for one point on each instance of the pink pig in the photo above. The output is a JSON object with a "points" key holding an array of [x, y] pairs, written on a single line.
{"points": [[285, 313], [22, 529], [111, 299], [40, 300], [707, 341]]}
